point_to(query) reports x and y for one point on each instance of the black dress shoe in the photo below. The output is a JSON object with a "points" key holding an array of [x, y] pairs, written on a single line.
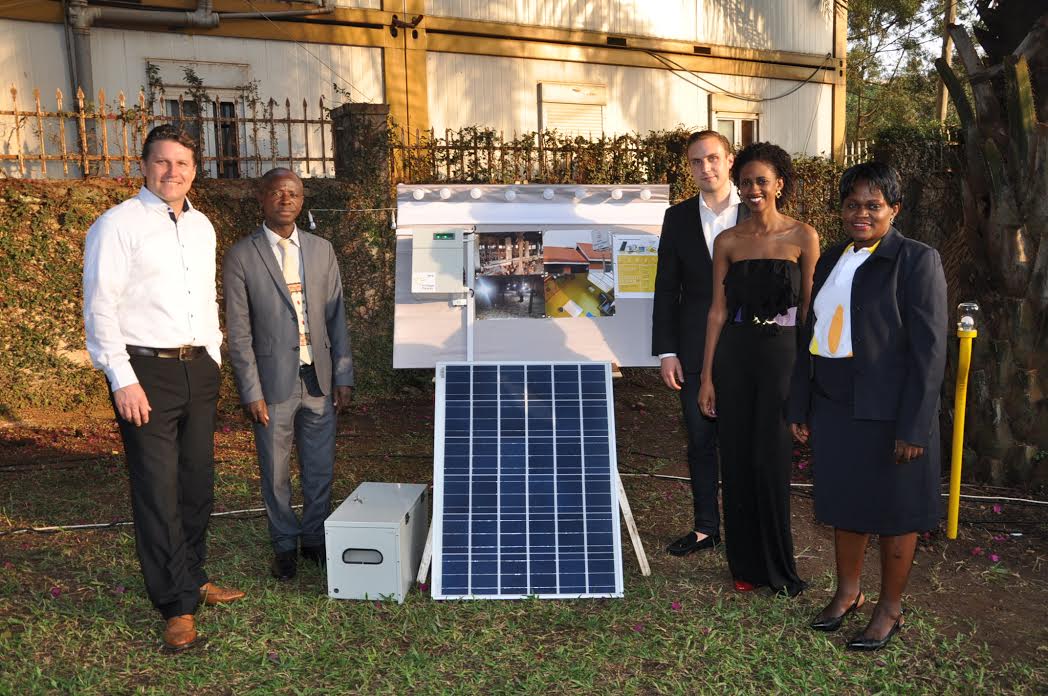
{"points": [[284, 565], [832, 623], [317, 554], [689, 544], [865, 644]]}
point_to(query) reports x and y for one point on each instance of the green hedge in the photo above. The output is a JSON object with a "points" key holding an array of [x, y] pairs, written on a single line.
{"points": [[43, 224], [42, 229]]}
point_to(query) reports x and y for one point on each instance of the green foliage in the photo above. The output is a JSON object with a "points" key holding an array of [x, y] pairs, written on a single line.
{"points": [[42, 231], [890, 78], [43, 225]]}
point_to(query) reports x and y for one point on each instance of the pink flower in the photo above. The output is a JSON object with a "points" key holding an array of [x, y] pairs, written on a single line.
{"points": [[1000, 537], [118, 590], [803, 464], [638, 628], [8, 565], [226, 429], [423, 586], [56, 592], [994, 558], [273, 657], [675, 606], [997, 508], [977, 551]]}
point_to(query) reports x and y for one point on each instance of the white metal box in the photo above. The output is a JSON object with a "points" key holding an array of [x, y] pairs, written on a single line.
{"points": [[437, 262], [375, 539]]}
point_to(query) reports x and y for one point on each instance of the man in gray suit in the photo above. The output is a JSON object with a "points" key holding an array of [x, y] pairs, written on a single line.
{"points": [[290, 352]]}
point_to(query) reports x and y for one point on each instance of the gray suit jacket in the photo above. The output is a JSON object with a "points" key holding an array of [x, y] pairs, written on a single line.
{"points": [[261, 324]]}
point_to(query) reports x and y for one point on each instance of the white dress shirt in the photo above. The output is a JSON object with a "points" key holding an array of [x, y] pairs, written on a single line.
{"points": [[274, 240], [148, 281], [831, 336], [713, 224]]}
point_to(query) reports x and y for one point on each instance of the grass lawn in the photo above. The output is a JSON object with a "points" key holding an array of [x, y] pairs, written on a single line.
{"points": [[74, 617]]}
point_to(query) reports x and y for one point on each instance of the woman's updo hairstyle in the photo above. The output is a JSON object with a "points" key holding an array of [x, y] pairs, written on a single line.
{"points": [[775, 157]]}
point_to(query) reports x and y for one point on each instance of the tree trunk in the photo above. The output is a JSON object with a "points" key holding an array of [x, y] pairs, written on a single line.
{"points": [[1005, 210]]}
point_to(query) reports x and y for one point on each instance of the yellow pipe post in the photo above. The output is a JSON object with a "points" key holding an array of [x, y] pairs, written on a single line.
{"points": [[960, 397]]}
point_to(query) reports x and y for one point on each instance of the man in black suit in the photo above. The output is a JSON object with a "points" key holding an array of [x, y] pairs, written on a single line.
{"points": [[683, 290]]}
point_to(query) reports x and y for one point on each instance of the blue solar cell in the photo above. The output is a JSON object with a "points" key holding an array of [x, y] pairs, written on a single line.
{"points": [[525, 503]]}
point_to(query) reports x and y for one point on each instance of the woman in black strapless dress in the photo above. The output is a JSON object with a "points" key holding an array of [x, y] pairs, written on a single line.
{"points": [[762, 277]]}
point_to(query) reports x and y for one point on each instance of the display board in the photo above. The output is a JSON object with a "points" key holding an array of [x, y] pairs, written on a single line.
{"points": [[526, 273], [525, 502]]}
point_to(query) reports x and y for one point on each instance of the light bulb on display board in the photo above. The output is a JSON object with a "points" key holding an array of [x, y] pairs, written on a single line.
{"points": [[511, 195], [645, 195], [445, 193], [475, 193], [418, 194], [616, 194], [547, 194], [580, 193]]}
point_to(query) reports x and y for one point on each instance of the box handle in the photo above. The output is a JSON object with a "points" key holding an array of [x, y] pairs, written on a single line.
{"points": [[362, 556]]}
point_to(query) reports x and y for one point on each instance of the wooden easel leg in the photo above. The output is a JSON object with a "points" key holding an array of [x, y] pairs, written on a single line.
{"points": [[631, 525], [427, 557]]}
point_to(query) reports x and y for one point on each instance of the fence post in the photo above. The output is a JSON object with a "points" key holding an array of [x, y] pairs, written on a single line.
{"points": [[360, 140], [18, 132]]}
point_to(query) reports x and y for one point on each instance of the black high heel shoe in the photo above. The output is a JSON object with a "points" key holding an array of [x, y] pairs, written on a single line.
{"points": [[869, 644], [832, 623]]}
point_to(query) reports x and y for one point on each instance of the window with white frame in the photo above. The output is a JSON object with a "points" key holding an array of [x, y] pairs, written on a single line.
{"points": [[738, 120]]}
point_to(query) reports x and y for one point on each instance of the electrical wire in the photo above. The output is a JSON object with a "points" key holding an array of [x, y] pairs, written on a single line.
{"points": [[984, 498], [675, 67], [317, 58]]}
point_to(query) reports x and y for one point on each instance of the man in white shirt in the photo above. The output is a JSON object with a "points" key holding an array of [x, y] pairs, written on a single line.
{"points": [[151, 320], [290, 351], [683, 291]]}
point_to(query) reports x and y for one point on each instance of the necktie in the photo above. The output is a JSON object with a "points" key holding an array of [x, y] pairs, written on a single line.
{"points": [[293, 278]]}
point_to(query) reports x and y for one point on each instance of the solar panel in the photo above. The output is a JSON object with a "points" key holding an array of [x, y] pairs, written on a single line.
{"points": [[525, 496]]}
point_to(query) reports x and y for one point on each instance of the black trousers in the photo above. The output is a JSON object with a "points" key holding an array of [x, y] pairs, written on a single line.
{"points": [[171, 465], [702, 457], [751, 375]]}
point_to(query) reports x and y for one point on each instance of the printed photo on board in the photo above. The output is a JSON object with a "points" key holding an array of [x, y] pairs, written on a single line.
{"points": [[579, 274]]}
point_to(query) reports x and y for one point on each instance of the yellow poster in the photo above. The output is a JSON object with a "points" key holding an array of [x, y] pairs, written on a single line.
{"points": [[636, 259]]}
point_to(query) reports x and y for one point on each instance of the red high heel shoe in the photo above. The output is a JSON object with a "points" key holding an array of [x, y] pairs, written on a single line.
{"points": [[743, 586]]}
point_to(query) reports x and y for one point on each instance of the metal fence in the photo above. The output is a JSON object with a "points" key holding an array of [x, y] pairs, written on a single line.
{"points": [[856, 152], [479, 155], [238, 136]]}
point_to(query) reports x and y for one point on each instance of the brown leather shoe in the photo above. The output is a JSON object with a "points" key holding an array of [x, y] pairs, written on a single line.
{"points": [[180, 633], [210, 593]]}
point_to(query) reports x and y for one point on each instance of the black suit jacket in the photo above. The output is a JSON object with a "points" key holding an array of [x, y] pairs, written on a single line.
{"points": [[683, 285], [898, 327]]}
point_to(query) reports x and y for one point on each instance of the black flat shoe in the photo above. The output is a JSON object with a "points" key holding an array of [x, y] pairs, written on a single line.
{"points": [[284, 565], [832, 623], [689, 544], [316, 554], [864, 644]]}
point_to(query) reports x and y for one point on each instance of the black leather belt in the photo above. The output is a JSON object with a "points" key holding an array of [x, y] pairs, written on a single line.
{"points": [[181, 353]]}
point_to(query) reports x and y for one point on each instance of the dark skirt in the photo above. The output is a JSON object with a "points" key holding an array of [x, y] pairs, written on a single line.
{"points": [[859, 486]]}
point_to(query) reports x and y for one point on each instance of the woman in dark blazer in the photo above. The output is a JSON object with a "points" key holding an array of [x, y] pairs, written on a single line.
{"points": [[866, 391]]}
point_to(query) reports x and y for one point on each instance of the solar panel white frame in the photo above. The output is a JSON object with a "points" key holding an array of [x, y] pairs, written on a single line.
{"points": [[438, 591]]}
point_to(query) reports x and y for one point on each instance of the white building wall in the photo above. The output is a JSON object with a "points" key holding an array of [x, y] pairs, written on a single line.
{"points": [[34, 55], [502, 93], [803, 26]]}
